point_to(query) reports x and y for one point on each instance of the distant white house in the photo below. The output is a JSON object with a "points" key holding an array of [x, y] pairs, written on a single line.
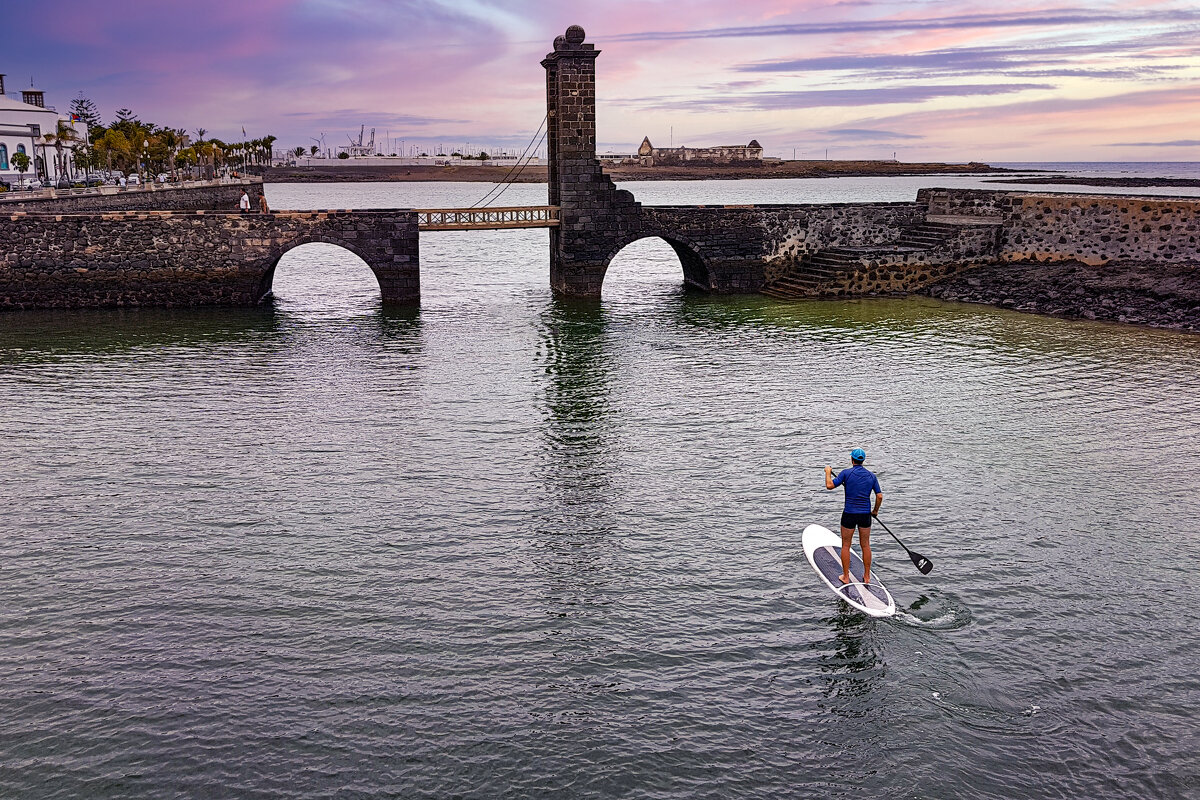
{"points": [[24, 124]]}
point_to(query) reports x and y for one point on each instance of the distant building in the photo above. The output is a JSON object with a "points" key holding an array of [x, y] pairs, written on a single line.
{"points": [[23, 127], [652, 156]]}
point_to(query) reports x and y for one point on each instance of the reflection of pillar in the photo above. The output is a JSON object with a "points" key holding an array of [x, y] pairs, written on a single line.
{"points": [[578, 421], [595, 218]]}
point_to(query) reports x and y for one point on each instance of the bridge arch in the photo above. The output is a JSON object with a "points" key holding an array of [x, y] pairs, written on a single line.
{"points": [[277, 254], [695, 270]]}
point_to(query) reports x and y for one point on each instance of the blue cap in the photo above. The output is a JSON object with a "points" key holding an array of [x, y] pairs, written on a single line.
{"points": [[858, 454]]}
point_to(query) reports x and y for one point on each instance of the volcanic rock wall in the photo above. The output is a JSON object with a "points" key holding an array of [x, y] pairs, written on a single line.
{"points": [[223, 197], [168, 258]]}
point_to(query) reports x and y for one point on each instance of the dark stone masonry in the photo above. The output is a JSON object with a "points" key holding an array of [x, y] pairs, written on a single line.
{"points": [[177, 198], [174, 258], [1140, 255]]}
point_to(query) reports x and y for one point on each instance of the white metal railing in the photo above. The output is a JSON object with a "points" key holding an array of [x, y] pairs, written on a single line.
{"points": [[485, 219]]}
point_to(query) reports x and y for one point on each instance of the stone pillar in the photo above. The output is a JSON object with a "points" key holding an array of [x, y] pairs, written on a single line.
{"points": [[596, 219]]}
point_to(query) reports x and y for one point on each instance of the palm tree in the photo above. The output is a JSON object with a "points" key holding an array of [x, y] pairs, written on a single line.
{"points": [[47, 140], [298, 152], [170, 139], [63, 134]]}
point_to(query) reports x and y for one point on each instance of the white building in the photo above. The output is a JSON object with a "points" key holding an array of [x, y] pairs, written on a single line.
{"points": [[23, 127]]}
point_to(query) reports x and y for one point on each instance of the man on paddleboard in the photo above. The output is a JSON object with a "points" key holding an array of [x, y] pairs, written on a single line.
{"points": [[859, 482]]}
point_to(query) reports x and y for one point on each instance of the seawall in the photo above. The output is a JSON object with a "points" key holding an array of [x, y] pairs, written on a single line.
{"points": [[211, 197], [180, 258], [1105, 257], [1136, 258]]}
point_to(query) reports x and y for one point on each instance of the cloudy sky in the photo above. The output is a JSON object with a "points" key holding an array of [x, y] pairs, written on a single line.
{"points": [[929, 80]]}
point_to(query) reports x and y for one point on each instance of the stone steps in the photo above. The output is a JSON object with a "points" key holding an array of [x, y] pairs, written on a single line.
{"points": [[826, 267], [928, 235]]}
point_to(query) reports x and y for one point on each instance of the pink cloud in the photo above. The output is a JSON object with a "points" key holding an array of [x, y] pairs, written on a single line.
{"points": [[437, 70]]}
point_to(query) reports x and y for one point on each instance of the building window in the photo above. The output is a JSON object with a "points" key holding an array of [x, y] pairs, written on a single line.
{"points": [[20, 148], [3, 156]]}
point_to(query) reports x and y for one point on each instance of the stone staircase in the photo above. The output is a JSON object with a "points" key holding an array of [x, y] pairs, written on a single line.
{"points": [[928, 235], [822, 273], [813, 273]]}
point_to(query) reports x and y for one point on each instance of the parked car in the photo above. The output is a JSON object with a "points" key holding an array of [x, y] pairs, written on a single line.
{"points": [[134, 179]]}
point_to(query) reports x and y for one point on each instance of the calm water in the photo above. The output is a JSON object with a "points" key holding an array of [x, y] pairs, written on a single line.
{"points": [[512, 547]]}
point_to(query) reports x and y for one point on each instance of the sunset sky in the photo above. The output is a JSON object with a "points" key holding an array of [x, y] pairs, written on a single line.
{"points": [[964, 80]]}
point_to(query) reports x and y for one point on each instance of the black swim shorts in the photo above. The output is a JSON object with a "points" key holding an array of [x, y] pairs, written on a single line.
{"points": [[851, 520]]}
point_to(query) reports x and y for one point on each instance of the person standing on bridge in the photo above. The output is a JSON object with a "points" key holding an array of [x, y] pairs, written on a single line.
{"points": [[244, 203], [859, 482], [262, 204]]}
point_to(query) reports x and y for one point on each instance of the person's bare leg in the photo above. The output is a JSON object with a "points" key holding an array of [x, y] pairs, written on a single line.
{"points": [[864, 539], [847, 540]]}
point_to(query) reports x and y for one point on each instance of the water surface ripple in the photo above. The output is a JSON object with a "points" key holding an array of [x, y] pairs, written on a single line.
{"points": [[507, 546]]}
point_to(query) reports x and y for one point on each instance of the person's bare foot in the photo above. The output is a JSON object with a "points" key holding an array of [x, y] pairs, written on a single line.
{"points": [[844, 578], [867, 578]]}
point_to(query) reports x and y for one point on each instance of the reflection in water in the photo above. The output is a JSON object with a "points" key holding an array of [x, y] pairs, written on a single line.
{"points": [[344, 530], [578, 456], [850, 663], [327, 301], [29, 337], [575, 548]]}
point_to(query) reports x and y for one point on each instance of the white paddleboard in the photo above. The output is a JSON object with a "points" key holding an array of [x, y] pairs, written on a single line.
{"points": [[823, 548]]}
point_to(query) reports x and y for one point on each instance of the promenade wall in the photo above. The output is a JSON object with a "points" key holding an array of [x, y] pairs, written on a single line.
{"points": [[173, 258], [212, 197], [1098, 230], [1093, 229]]}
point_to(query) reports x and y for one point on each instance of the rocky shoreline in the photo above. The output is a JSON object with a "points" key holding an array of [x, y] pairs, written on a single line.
{"points": [[350, 173], [1156, 295], [1120, 183]]}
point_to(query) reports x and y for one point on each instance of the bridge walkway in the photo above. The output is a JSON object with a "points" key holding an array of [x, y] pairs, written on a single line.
{"points": [[486, 219]]}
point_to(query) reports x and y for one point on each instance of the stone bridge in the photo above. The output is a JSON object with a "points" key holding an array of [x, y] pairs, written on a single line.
{"points": [[722, 248], [100, 251], [182, 258]]}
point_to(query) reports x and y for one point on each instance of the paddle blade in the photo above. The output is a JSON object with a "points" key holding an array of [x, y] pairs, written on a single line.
{"points": [[923, 564]]}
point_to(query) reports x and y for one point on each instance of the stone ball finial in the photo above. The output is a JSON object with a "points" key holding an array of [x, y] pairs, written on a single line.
{"points": [[575, 34], [560, 43]]}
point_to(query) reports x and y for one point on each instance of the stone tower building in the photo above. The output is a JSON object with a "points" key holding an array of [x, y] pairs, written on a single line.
{"points": [[720, 249], [596, 218]]}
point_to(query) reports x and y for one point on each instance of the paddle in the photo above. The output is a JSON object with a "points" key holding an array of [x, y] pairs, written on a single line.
{"points": [[921, 562]]}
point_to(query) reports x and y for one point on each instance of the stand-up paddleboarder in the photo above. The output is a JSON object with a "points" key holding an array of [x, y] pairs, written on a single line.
{"points": [[859, 482]]}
